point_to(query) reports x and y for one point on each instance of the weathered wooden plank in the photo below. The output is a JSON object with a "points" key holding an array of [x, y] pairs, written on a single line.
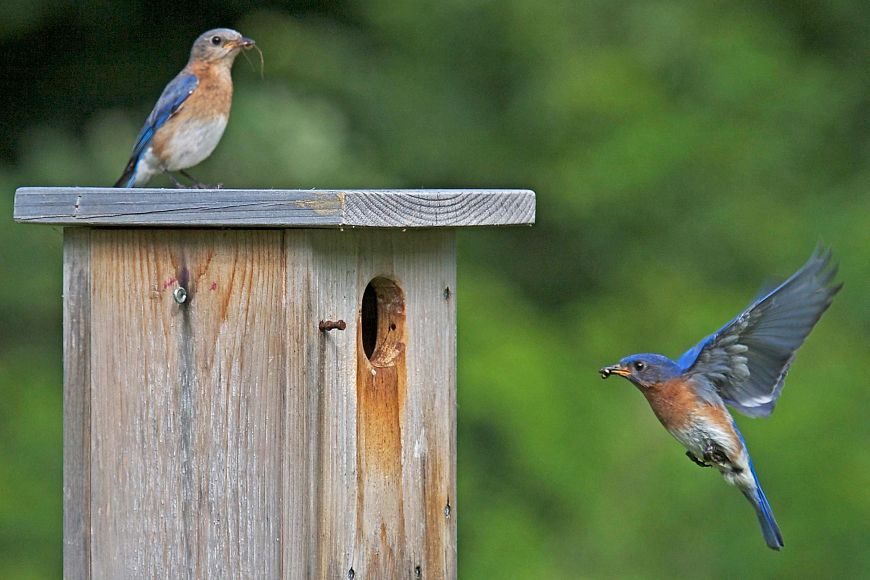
{"points": [[428, 274], [274, 207], [371, 443], [76, 404], [320, 419], [187, 403]]}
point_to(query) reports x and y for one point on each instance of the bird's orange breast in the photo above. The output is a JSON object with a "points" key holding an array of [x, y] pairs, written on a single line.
{"points": [[673, 402], [214, 94]]}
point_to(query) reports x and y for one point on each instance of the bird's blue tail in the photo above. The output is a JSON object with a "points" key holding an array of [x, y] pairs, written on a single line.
{"points": [[769, 529], [128, 179]]}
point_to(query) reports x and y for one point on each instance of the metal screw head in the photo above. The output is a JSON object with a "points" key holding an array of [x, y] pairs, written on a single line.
{"points": [[180, 295]]}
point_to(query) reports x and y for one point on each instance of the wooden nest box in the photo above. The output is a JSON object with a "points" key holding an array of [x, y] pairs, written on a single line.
{"points": [[261, 383]]}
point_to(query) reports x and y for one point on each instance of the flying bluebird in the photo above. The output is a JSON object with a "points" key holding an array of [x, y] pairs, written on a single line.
{"points": [[744, 365], [191, 114]]}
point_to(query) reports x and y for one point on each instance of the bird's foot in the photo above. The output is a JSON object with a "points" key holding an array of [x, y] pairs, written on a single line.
{"points": [[196, 184], [695, 460]]}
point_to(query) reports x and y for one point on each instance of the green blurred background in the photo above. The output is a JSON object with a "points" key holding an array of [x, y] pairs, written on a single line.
{"points": [[683, 153]]}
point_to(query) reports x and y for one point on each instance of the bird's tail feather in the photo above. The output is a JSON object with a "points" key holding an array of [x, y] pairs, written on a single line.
{"points": [[769, 529], [128, 178], [755, 495]]}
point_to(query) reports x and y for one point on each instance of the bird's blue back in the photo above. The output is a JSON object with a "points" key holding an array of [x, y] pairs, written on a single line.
{"points": [[171, 100]]}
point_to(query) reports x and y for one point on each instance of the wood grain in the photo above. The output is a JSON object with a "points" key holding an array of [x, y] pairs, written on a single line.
{"points": [[274, 207], [76, 404], [187, 403]]}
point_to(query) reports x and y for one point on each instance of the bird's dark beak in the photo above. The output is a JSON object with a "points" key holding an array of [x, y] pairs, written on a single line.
{"points": [[244, 43], [614, 370]]}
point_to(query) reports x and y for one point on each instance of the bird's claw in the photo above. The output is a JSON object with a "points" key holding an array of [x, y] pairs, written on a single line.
{"points": [[695, 460]]}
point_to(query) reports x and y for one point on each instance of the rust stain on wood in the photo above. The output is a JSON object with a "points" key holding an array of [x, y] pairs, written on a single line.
{"points": [[433, 503], [379, 394], [381, 389]]}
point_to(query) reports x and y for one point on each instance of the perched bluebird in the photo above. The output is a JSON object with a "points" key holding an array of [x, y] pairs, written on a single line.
{"points": [[744, 365], [191, 114]]}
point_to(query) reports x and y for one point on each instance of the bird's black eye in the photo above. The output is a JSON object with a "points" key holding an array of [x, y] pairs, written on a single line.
{"points": [[639, 366], [216, 40]]}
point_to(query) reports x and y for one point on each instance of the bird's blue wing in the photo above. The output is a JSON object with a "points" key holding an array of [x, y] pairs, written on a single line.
{"points": [[748, 358], [169, 103]]}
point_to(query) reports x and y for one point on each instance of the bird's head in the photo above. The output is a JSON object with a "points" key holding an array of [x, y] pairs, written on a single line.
{"points": [[220, 44], [644, 370]]}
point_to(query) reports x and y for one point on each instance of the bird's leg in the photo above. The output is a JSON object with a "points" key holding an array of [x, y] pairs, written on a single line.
{"points": [[171, 177], [197, 184], [695, 460], [194, 182], [715, 454]]}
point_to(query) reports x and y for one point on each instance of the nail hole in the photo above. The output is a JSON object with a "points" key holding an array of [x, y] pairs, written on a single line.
{"points": [[350, 574], [382, 321], [418, 572], [447, 293]]}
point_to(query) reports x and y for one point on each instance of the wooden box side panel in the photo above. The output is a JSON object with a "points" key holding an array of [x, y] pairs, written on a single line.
{"points": [[224, 436], [187, 403], [378, 508]]}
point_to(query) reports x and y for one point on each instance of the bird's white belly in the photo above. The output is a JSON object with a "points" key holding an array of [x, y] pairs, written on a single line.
{"points": [[193, 142], [694, 438], [697, 435], [147, 167]]}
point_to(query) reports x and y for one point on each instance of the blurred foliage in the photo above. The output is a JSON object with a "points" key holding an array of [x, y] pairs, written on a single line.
{"points": [[683, 153]]}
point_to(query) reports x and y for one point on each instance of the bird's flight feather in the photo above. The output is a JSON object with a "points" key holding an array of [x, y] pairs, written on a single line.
{"points": [[747, 359]]}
